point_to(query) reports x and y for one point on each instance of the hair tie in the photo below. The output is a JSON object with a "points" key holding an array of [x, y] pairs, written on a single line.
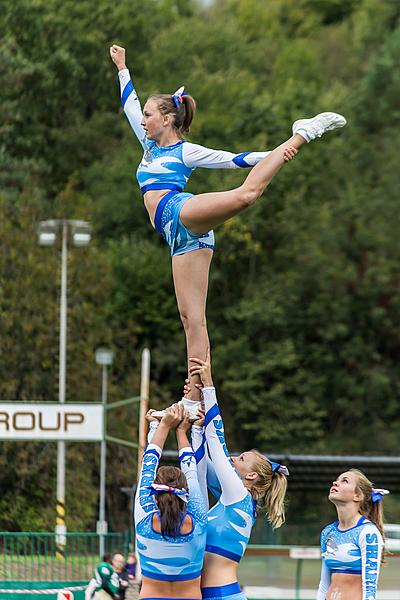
{"points": [[278, 468], [161, 488], [177, 96], [378, 493]]}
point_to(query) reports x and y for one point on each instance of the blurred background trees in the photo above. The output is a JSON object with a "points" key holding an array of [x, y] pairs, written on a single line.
{"points": [[304, 302]]}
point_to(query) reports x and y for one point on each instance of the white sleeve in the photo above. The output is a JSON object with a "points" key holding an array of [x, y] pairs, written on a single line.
{"points": [[131, 105], [325, 581], [213, 483], [153, 426], [187, 463], [232, 487], [90, 590], [198, 156], [198, 443], [371, 546], [144, 500]]}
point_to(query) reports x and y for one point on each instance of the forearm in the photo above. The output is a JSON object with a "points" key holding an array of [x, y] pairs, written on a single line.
{"points": [[131, 105], [153, 426], [182, 439], [232, 487], [160, 435], [195, 155]]}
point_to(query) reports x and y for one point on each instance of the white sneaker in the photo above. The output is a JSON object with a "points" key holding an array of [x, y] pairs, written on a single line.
{"points": [[191, 407], [309, 129]]}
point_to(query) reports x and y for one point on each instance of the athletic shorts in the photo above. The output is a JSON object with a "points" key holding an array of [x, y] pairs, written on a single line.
{"points": [[231, 591], [168, 224]]}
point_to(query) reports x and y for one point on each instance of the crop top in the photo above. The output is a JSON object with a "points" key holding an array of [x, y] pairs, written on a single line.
{"points": [[169, 167], [357, 551], [168, 558]]}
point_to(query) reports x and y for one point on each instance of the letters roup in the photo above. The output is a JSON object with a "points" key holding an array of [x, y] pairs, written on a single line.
{"points": [[30, 421]]}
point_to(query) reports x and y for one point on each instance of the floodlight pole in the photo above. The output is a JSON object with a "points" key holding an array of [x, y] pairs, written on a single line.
{"points": [[47, 236], [144, 402], [60, 503], [103, 452]]}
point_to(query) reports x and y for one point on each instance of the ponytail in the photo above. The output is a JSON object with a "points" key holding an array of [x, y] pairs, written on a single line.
{"points": [[172, 508], [269, 490], [373, 511], [183, 113]]}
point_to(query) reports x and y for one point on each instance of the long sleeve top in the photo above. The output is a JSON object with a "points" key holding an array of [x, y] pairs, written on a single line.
{"points": [[169, 167]]}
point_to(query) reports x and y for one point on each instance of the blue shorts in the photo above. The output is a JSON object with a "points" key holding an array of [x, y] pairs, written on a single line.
{"points": [[168, 224], [231, 591]]}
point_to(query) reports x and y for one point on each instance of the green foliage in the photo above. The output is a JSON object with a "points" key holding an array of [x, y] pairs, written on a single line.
{"points": [[304, 299]]}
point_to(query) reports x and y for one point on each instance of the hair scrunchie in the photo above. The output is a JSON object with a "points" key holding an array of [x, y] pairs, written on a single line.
{"points": [[378, 493], [161, 488], [278, 468], [177, 96]]}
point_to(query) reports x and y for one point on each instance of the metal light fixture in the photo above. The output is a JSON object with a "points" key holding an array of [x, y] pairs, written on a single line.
{"points": [[81, 233], [104, 357]]}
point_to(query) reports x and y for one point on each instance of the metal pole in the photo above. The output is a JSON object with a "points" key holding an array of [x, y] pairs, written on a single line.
{"points": [[103, 449], [298, 577], [144, 402], [60, 507]]}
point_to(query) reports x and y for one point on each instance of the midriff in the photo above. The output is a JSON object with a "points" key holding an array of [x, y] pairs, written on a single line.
{"points": [[345, 587], [218, 570], [151, 588], [151, 200]]}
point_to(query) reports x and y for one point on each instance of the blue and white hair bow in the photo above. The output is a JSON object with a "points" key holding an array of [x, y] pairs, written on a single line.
{"points": [[161, 488], [177, 96], [278, 468], [378, 493]]}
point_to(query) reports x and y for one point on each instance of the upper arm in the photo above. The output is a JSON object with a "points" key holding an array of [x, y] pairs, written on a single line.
{"points": [[371, 546], [232, 487], [131, 105], [144, 500], [325, 579], [213, 483], [198, 443], [195, 155]]}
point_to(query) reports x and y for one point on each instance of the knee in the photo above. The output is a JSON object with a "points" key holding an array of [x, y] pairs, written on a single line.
{"points": [[192, 322], [248, 195]]}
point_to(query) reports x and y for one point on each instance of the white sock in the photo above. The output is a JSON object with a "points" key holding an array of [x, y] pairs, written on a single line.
{"points": [[188, 402], [304, 135]]}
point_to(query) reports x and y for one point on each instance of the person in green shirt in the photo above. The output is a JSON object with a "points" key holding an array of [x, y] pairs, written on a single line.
{"points": [[107, 582]]}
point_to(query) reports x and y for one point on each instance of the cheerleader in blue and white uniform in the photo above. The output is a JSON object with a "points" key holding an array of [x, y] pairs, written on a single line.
{"points": [[186, 221], [243, 486], [170, 515], [352, 546]]}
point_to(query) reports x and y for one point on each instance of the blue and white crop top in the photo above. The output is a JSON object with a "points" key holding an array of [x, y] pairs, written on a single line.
{"points": [[355, 551], [169, 559], [231, 519], [169, 167]]}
